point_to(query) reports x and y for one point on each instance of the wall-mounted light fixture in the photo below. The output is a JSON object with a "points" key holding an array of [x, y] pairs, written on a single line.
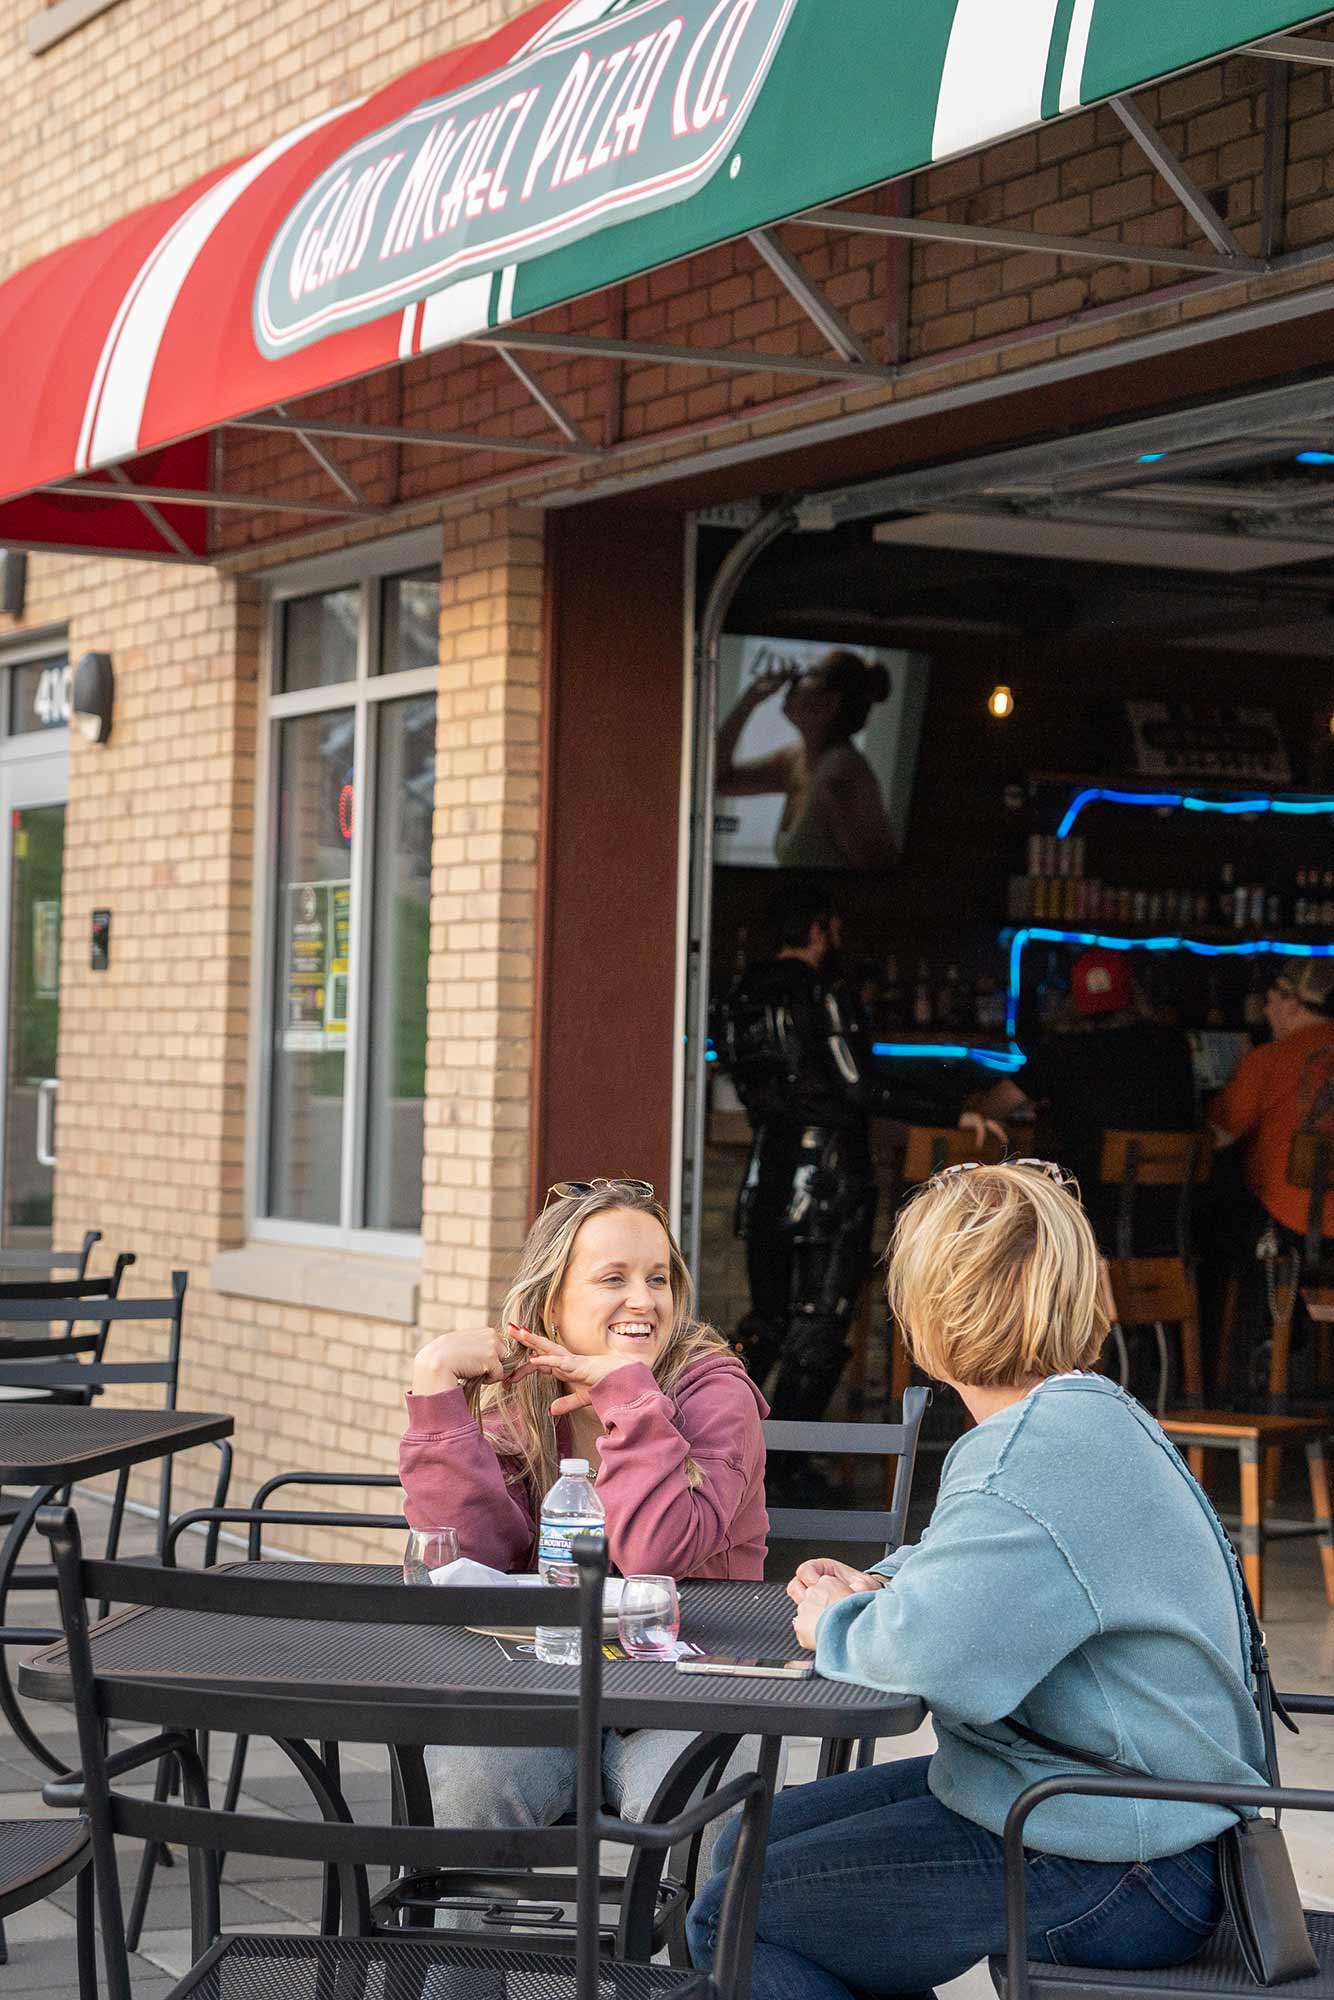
{"points": [[93, 696], [1000, 702], [13, 581]]}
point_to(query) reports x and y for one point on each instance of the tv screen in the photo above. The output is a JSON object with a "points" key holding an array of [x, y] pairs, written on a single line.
{"points": [[817, 751]]}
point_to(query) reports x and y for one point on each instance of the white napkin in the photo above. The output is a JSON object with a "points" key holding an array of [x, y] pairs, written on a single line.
{"points": [[480, 1576]]}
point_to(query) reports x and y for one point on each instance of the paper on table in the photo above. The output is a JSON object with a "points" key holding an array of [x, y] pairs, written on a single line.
{"points": [[480, 1576]]}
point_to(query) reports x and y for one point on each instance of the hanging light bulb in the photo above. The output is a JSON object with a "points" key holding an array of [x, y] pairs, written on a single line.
{"points": [[1000, 702]]}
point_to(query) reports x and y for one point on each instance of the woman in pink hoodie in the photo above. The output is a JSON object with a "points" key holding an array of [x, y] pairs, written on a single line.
{"points": [[617, 1371]]}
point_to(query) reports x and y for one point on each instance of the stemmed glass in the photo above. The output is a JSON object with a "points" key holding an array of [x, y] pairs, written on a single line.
{"points": [[428, 1549], [649, 1617]]}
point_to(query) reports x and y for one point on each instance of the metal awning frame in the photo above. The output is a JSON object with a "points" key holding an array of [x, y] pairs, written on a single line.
{"points": [[848, 364]]}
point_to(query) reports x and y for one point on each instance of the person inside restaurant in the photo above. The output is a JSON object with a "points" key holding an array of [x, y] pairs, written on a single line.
{"points": [[1278, 1090], [1073, 1592], [598, 1356], [807, 1203], [1113, 1069]]}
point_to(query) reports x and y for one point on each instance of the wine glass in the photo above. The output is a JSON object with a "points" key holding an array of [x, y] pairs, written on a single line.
{"points": [[649, 1617], [428, 1549]]}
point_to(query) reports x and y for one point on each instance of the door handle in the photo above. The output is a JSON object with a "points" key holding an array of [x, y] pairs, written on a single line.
{"points": [[46, 1120]]}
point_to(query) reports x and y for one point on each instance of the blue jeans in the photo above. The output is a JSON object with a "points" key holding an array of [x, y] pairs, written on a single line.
{"points": [[871, 1886]]}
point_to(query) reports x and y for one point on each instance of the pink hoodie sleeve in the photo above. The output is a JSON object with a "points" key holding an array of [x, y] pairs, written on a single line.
{"points": [[452, 1478], [657, 1524]]}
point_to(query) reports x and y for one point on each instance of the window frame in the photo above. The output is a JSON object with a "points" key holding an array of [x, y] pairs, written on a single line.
{"points": [[366, 569], [21, 649]]}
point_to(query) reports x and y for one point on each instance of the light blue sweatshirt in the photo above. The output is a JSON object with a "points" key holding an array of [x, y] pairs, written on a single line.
{"points": [[1072, 1574]]}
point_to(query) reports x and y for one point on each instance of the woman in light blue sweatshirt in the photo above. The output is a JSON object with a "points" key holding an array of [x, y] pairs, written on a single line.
{"points": [[1073, 1578]]}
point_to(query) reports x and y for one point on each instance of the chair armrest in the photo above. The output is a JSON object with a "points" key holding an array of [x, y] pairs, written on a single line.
{"points": [[664, 1837], [67, 1790], [1095, 1785], [276, 1517]]}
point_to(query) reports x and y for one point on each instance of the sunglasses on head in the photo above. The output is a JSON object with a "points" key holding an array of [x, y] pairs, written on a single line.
{"points": [[1050, 1168], [562, 1190]]}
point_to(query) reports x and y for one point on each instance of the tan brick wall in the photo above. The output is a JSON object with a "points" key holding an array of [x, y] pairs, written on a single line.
{"points": [[154, 1051]]}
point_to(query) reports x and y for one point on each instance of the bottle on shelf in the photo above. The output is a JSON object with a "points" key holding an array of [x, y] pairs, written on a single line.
{"points": [[1214, 1016], [893, 1007], [923, 1004], [949, 1007], [1051, 992]]}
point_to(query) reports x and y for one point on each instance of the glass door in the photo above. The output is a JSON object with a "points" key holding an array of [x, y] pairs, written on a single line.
{"points": [[34, 843]]}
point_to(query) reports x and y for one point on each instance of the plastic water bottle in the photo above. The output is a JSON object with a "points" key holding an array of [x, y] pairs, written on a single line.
{"points": [[571, 1509]]}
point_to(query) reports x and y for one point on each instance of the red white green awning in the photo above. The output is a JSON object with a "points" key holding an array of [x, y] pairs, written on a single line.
{"points": [[587, 142]]}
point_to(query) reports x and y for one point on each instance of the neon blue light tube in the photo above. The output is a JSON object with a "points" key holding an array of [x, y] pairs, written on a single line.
{"points": [[1255, 948], [1004, 1060], [1298, 808]]}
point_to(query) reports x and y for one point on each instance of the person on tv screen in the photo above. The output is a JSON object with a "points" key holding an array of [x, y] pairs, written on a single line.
{"points": [[834, 812]]}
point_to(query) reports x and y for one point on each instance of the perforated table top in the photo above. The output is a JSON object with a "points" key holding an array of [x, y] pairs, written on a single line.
{"points": [[54, 1444], [310, 1660]]}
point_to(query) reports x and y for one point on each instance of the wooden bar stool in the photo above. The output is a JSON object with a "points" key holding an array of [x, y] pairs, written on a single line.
{"points": [[1304, 1274], [1164, 1293], [920, 1151], [1196, 1431]]}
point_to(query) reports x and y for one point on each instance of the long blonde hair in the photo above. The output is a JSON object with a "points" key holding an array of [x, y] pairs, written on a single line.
{"points": [[994, 1277], [520, 1412]]}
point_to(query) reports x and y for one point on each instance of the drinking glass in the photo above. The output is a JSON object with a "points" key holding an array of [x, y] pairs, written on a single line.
{"points": [[428, 1549], [649, 1617]]}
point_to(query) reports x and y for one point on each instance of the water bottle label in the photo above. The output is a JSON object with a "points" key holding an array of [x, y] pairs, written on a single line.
{"points": [[558, 1536]]}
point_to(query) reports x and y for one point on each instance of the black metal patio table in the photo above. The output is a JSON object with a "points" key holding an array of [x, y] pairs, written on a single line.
{"points": [[155, 1663], [49, 1446]]}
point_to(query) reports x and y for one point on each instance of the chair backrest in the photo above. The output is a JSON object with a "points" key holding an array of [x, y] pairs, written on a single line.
{"points": [[572, 1719], [56, 1289], [102, 1310], [72, 1262], [1143, 1159], [1147, 1291], [928, 1148], [1311, 1165], [886, 1526]]}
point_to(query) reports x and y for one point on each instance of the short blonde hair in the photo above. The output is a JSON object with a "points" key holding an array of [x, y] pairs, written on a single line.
{"points": [[994, 1277]]}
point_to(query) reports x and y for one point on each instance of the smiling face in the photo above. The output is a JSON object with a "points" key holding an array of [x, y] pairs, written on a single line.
{"points": [[617, 1294]]}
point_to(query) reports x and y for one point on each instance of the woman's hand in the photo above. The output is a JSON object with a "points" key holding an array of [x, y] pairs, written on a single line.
{"points": [[820, 1568], [826, 1590], [451, 1358], [582, 1371]]}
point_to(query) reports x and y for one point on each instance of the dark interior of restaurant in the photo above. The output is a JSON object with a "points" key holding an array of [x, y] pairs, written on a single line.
{"points": [[1086, 645]]}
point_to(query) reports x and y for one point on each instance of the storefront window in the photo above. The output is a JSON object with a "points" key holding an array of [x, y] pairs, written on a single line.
{"points": [[353, 758], [314, 903], [396, 1074]]}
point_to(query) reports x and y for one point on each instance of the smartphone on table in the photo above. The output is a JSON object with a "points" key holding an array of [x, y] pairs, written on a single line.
{"points": [[726, 1663]]}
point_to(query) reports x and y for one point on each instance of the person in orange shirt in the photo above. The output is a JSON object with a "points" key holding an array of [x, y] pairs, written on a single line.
{"points": [[1284, 1087]]}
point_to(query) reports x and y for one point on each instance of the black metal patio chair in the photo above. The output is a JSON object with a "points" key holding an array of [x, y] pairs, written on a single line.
{"points": [[56, 1346], [256, 1518], [415, 1896], [263, 1965], [37, 1857], [1220, 1972], [882, 1529], [84, 1378]]}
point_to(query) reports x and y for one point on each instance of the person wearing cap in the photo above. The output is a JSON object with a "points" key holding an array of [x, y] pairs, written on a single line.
{"points": [[1284, 1087], [1114, 1070]]}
